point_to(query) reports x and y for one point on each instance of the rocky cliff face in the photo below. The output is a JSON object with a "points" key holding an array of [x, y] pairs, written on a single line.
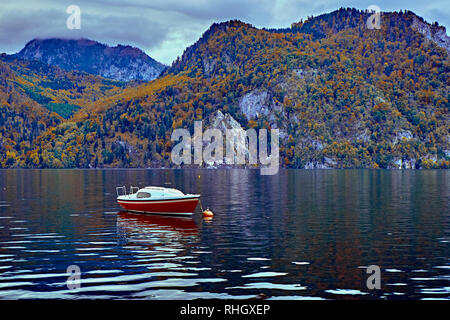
{"points": [[226, 123], [255, 103], [434, 33], [122, 63]]}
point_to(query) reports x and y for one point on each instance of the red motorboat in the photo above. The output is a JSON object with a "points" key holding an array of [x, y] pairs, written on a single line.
{"points": [[157, 200]]}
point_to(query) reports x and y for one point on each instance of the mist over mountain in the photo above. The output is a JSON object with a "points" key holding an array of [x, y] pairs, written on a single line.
{"points": [[122, 63]]}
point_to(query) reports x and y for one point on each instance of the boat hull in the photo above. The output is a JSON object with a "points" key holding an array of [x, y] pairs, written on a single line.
{"points": [[184, 206]]}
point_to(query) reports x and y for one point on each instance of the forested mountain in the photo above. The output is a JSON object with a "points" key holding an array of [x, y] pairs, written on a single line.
{"points": [[122, 63], [342, 95]]}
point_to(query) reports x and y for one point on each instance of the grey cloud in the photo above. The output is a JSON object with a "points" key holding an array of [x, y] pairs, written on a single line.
{"points": [[18, 27], [203, 9], [134, 30]]}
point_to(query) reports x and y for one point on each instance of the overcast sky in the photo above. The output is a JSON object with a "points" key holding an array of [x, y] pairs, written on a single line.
{"points": [[164, 28]]}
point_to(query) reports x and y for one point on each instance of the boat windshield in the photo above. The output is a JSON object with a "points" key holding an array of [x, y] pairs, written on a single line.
{"points": [[143, 195]]}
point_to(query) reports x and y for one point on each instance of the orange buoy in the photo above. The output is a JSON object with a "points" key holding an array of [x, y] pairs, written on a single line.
{"points": [[208, 213]]}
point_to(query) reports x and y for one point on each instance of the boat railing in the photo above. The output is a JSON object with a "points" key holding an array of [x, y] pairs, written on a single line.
{"points": [[121, 191], [132, 189]]}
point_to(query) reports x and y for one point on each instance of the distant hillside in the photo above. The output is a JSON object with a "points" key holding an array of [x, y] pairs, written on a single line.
{"points": [[22, 119], [122, 63], [342, 96], [35, 96]]}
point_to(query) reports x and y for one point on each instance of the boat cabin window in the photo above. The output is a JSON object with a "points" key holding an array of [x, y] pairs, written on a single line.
{"points": [[143, 195]]}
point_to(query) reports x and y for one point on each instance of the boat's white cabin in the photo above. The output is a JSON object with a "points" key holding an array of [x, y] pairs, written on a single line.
{"points": [[150, 192]]}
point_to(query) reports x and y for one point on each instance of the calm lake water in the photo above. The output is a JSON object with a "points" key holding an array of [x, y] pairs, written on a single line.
{"points": [[301, 234]]}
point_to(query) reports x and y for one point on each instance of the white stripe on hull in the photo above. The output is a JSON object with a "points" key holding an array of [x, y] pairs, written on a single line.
{"points": [[163, 213]]}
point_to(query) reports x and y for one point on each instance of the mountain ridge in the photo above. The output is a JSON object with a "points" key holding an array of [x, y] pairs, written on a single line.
{"points": [[123, 63]]}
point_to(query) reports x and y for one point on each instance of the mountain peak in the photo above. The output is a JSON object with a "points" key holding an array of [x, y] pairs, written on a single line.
{"points": [[216, 33], [222, 27], [433, 32], [119, 63]]}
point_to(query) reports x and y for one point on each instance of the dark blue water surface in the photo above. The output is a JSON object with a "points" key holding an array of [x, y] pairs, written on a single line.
{"points": [[300, 234]]}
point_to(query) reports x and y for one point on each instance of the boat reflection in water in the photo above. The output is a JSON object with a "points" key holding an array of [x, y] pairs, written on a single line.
{"points": [[156, 229]]}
